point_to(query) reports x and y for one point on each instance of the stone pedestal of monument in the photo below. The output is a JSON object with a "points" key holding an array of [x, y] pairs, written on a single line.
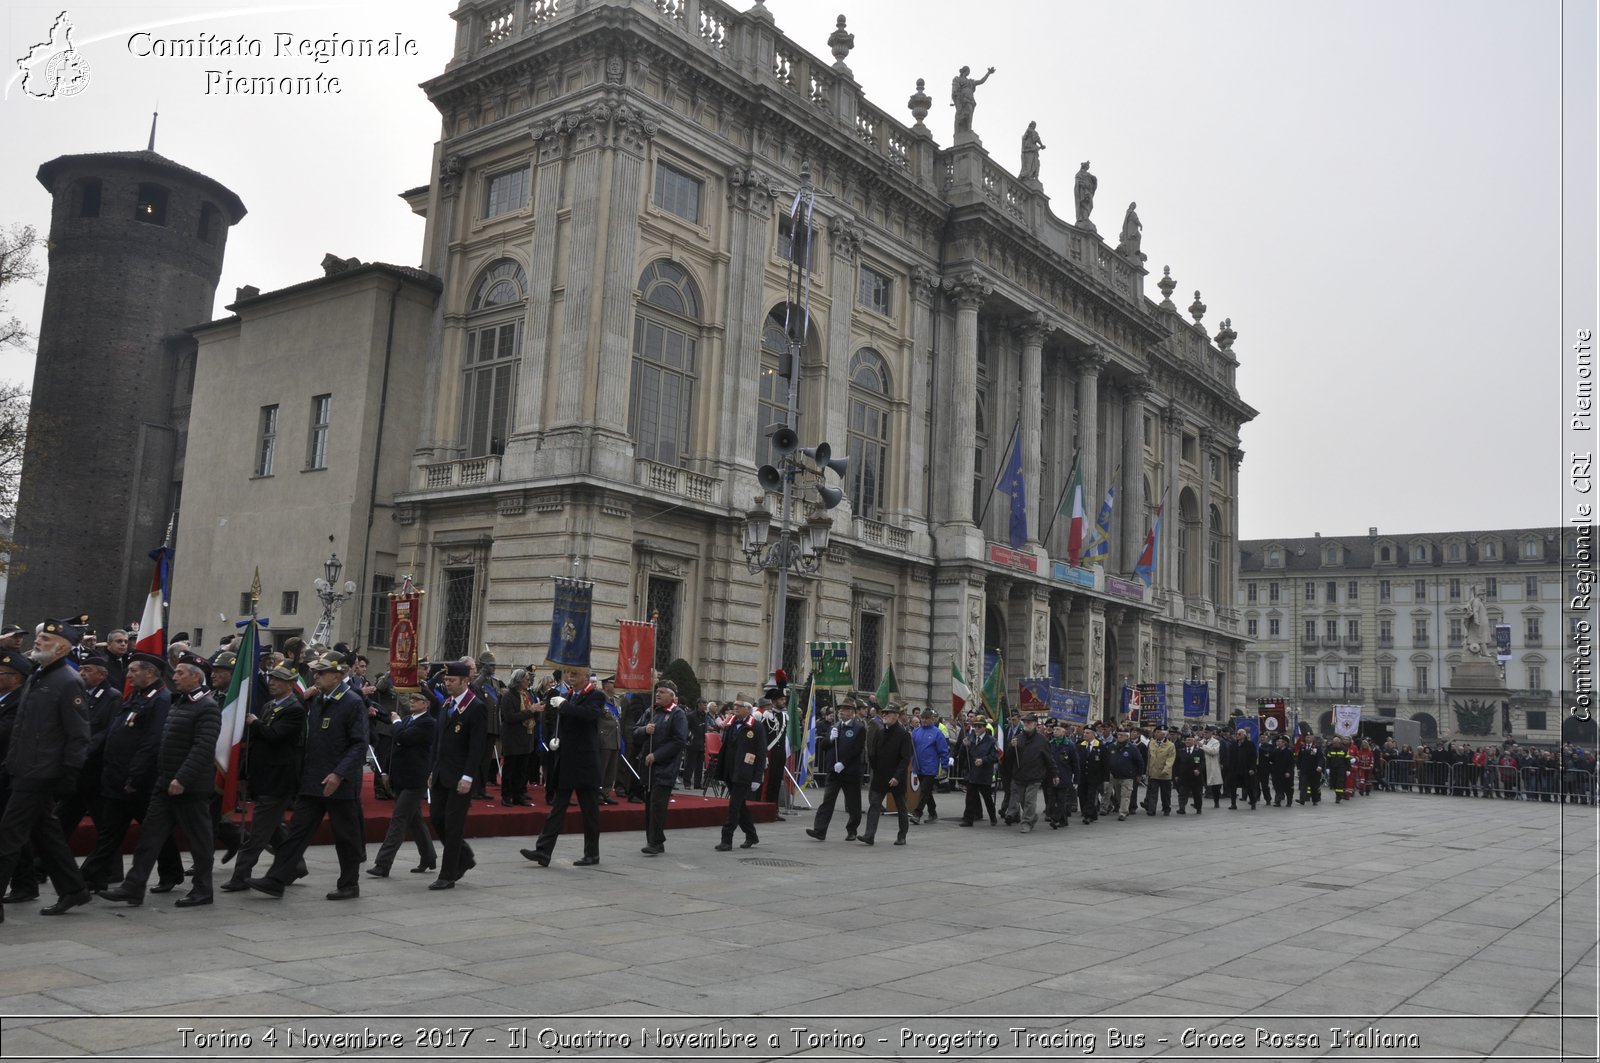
{"points": [[1475, 696]]}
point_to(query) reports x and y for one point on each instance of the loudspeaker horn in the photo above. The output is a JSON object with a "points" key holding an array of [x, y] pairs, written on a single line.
{"points": [[785, 440], [770, 479], [831, 496], [838, 465]]}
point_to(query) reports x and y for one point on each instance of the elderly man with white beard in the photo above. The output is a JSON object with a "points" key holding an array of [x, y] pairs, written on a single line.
{"points": [[48, 747]]}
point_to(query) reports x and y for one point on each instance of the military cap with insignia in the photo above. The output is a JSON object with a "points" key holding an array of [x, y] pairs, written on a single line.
{"points": [[225, 659], [96, 659], [16, 661], [282, 673], [325, 664], [70, 630], [193, 659], [10, 630], [458, 670], [158, 663]]}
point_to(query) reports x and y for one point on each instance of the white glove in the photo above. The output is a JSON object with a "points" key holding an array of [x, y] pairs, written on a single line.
{"points": [[755, 786], [838, 767], [952, 762], [833, 735]]}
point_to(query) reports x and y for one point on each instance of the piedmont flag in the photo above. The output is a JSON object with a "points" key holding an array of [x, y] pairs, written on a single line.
{"points": [[960, 693], [239, 703], [153, 624], [1146, 568], [1100, 542], [1011, 484], [1076, 512]]}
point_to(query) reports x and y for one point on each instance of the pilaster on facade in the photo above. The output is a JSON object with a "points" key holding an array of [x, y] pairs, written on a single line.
{"points": [[1136, 390], [1032, 331]]}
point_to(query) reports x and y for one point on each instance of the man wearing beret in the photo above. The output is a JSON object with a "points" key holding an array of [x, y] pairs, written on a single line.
{"points": [[185, 781], [49, 743], [330, 785], [128, 775], [277, 739], [458, 745]]}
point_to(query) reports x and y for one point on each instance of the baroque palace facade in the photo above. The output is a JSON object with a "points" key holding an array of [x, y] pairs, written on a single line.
{"points": [[609, 216]]}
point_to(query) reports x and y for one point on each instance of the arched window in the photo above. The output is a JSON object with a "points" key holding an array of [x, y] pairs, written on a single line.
{"points": [[1214, 574], [665, 332], [868, 445], [1384, 554], [494, 346]]}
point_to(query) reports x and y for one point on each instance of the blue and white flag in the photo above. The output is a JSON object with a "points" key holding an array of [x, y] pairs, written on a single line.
{"points": [[1196, 700], [1100, 542], [569, 623]]}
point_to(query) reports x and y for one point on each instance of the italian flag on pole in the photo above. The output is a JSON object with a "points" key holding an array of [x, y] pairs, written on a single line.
{"points": [[239, 703], [960, 693], [1079, 518]]}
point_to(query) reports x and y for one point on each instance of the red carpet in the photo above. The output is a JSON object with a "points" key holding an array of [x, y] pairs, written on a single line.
{"points": [[491, 819]]}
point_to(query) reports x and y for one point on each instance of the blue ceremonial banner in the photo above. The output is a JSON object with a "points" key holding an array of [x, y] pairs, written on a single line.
{"points": [[1248, 724], [1196, 699], [1069, 705], [569, 624], [1035, 694], [1153, 704]]}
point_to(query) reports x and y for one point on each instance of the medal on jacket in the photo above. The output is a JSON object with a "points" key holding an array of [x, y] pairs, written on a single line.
{"points": [[458, 728], [326, 720]]}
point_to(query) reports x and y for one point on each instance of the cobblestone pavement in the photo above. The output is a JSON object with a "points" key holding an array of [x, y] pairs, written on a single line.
{"points": [[1469, 924]]}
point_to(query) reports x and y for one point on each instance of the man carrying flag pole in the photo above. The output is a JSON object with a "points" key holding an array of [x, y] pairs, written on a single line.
{"points": [[239, 703]]}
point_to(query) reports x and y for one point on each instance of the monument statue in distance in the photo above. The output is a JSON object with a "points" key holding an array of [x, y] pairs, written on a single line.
{"points": [[964, 97], [1476, 622], [1083, 187], [1031, 146]]}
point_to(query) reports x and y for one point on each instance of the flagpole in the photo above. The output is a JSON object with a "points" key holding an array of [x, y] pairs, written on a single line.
{"points": [[999, 469], [1066, 486]]}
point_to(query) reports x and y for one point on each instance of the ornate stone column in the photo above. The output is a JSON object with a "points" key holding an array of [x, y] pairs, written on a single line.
{"points": [[962, 414], [1032, 332], [917, 394], [1131, 504], [1090, 363], [1039, 627], [1208, 439], [750, 196], [1095, 657], [1230, 568], [1172, 430], [846, 239]]}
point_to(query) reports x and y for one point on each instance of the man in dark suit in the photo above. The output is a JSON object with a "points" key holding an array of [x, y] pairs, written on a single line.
{"points": [[744, 754], [458, 747], [277, 738], [842, 750], [330, 784], [575, 769], [409, 765], [662, 738], [891, 772]]}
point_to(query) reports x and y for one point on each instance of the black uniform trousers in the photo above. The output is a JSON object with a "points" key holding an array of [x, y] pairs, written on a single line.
{"points": [[190, 813], [344, 816], [1159, 788], [30, 816], [848, 783], [875, 809], [449, 813], [979, 798], [407, 816], [103, 865], [1245, 786], [588, 803], [694, 767], [23, 879], [655, 816], [266, 829], [739, 814]]}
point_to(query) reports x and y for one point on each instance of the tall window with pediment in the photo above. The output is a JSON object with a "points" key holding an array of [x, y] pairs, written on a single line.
{"points": [[495, 314], [869, 433], [1214, 571], [665, 334]]}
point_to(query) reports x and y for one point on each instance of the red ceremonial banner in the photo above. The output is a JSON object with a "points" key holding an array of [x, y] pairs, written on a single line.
{"points": [[403, 610], [636, 655]]}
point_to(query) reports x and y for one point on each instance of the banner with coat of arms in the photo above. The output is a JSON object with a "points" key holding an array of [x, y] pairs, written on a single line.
{"points": [[569, 623], [1346, 720], [830, 661], [404, 609], [636, 655]]}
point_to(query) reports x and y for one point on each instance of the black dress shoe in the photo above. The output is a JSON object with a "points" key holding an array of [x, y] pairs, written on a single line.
{"points": [[441, 884], [506, 802], [471, 862], [122, 896], [192, 900], [542, 859], [20, 896], [345, 893], [67, 903], [234, 885], [865, 839], [608, 800], [165, 887], [750, 843], [901, 840], [586, 861], [812, 832], [848, 837], [378, 872], [422, 869], [233, 851], [270, 887], [724, 847], [653, 850]]}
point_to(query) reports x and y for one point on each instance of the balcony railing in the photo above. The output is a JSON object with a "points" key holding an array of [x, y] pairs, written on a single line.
{"points": [[680, 482], [463, 472], [1533, 642], [1352, 642], [1419, 642], [1419, 695], [1385, 642], [881, 534]]}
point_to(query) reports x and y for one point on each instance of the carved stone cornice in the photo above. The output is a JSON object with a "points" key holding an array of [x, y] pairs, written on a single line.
{"points": [[1172, 420], [1235, 456], [847, 236], [750, 189], [451, 168], [924, 284], [600, 122]]}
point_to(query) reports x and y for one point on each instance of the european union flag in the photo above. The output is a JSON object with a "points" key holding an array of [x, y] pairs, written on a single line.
{"points": [[1011, 484]]}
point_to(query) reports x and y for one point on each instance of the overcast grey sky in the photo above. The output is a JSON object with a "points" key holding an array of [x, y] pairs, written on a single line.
{"points": [[1368, 189]]}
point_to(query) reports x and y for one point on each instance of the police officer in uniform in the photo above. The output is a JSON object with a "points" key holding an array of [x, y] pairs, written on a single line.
{"points": [[744, 749], [330, 785], [277, 736], [184, 782], [844, 751], [49, 742]]}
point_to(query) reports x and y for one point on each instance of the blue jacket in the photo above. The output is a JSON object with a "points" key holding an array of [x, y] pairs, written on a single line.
{"points": [[930, 751]]}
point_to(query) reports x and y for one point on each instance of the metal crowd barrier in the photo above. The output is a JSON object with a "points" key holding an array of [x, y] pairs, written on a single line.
{"points": [[1550, 783]]}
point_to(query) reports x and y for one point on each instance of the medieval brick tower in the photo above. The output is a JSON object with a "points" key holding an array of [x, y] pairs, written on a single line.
{"points": [[136, 245]]}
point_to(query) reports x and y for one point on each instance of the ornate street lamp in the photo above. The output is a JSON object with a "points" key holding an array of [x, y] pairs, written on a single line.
{"points": [[331, 595]]}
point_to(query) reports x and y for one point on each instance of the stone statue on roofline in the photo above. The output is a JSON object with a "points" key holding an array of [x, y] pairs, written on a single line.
{"points": [[1032, 144], [964, 97]]}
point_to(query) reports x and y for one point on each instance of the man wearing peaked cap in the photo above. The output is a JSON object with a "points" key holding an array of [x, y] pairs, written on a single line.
{"points": [[11, 637], [49, 744]]}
